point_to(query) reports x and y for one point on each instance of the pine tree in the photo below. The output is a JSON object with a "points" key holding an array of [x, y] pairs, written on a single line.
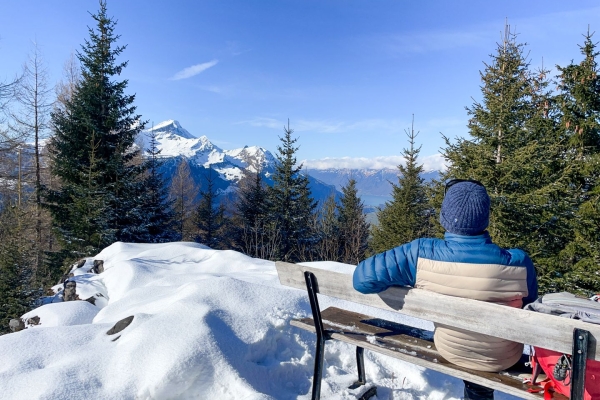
{"points": [[156, 216], [251, 224], [517, 151], [210, 216], [406, 217], [18, 288], [577, 269], [291, 205], [327, 229], [92, 148], [353, 225], [579, 99], [183, 193], [500, 140]]}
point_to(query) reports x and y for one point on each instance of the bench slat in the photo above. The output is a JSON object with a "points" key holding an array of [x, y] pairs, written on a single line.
{"points": [[391, 339], [547, 331]]}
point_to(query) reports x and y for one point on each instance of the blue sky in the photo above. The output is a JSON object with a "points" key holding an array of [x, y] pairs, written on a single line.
{"points": [[348, 74]]}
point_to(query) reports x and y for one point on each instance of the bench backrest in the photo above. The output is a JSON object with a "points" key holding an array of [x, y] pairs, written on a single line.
{"points": [[542, 330]]}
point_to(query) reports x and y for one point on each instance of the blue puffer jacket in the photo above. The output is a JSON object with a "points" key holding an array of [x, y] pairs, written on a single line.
{"points": [[398, 266], [462, 266]]}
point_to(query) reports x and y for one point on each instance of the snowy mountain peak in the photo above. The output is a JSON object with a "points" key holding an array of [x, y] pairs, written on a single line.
{"points": [[251, 157], [173, 140], [172, 127], [176, 144]]}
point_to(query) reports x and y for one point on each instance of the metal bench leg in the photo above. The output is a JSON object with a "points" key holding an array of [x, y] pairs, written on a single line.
{"points": [[360, 366], [313, 288], [318, 374], [578, 364]]}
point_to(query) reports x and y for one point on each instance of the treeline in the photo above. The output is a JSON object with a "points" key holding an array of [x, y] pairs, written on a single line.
{"points": [[277, 222]]}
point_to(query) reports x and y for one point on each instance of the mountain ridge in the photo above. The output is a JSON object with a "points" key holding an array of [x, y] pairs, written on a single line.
{"points": [[176, 144]]}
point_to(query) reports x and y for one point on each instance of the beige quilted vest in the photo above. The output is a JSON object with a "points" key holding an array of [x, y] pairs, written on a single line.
{"points": [[493, 283]]}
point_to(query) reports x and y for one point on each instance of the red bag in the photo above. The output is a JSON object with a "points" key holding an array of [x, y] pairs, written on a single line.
{"points": [[547, 359]]}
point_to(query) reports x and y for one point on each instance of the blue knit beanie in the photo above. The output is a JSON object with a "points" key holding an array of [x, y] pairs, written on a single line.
{"points": [[465, 209]]}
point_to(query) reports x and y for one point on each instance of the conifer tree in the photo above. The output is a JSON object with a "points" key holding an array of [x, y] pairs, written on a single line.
{"points": [[183, 193], [18, 288], [353, 225], [291, 205], [210, 216], [579, 99], [502, 142], [406, 217], [517, 151], [156, 216], [251, 223], [327, 229], [92, 148], [577, 269]]}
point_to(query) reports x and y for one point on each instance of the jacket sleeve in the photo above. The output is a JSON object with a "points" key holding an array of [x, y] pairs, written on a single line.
{"points": [[395, 267]]}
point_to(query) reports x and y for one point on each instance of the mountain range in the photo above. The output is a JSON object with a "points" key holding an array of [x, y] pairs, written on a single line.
{"points": [[177, 144]]}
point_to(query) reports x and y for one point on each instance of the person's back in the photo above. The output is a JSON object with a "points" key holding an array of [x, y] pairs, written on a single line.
{"points": [[464, 264]]}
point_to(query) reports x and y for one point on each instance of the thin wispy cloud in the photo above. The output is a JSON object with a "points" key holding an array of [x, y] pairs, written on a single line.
{"points": [[483, 33], [193, 70], [329, 126], [298, 125], [262, 122], [321, 126], [433, 162]]}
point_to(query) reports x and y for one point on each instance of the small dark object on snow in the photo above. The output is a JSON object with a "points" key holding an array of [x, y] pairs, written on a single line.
{"points": [[119, 326], [16, 325], [69, 292], [80, 263], [369, 393], [33, 320], [91, 300]]}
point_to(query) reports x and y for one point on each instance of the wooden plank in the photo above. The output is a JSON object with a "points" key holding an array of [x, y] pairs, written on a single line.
{"points": [[547, 331], [397, 341]]}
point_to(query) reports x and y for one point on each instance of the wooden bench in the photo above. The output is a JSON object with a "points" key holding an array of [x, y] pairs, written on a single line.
{"points": [[409, 344]]}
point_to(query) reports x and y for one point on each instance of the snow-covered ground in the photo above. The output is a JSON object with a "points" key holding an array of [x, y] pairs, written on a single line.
{"points": [[208, 324]]}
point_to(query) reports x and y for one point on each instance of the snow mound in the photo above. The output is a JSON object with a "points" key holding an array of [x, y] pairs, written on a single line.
{"points": [[207, 324], [63, 314]]}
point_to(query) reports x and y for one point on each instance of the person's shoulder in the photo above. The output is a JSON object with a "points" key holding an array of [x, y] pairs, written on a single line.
{"points": [[518, 257], [427, 242], [428, 247]]}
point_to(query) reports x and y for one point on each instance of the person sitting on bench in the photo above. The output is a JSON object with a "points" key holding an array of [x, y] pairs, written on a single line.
{"points": [[467, 264]]}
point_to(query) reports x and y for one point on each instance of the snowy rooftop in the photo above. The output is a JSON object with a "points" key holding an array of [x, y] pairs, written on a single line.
{"points": [[207, 324]]}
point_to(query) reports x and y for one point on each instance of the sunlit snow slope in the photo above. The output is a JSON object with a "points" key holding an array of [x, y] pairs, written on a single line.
{"points": [[207, 324]]}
